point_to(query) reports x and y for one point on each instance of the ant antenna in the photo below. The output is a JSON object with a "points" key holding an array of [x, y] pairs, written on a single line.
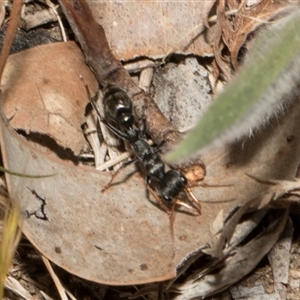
{"points": [[90, 98]]}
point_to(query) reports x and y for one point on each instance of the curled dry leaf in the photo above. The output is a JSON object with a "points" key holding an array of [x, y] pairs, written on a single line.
{"points": [[279, 258], [35, 14], [241, 261], [236, 21], [44, 94]]}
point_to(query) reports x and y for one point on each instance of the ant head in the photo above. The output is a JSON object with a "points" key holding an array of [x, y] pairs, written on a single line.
{"points": [[171, 185]]}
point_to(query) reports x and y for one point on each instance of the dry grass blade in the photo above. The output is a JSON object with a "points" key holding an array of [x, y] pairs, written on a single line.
{"points": [[61, 290], [15, 286], [10, 34], [10, 231], [2, 169], [10, 236], [46, 296]]}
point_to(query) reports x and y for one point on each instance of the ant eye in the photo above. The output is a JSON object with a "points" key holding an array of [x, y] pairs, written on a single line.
{"points": [[183, 179], [168, 199]]}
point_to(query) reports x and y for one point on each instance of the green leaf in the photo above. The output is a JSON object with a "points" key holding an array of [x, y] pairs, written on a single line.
{"points": [[271, 72]]}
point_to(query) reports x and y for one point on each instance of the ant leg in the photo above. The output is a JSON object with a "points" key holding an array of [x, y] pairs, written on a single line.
{"points": [[171, 215], [113, 176], [116, 131], [194, 200], [142, 126], [172, 218], [157, 148], [204, 185], [157, 198]]}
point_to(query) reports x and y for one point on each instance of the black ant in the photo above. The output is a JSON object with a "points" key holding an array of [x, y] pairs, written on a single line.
{"points": [[120, 120], [118, 110]]}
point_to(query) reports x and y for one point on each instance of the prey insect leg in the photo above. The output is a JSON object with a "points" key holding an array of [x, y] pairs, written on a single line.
{"points": [[193, 199]]}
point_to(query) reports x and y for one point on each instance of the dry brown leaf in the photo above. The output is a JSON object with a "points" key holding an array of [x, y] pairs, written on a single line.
{"points": [[44, 94], [117, 237], [75, 225], [143, 28]]}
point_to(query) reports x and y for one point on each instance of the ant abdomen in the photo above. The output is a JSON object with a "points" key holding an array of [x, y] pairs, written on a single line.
{"points": [[118, 106]]}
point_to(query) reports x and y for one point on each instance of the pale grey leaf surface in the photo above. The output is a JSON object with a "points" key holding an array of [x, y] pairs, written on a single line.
{"points": [[256, 94]]}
